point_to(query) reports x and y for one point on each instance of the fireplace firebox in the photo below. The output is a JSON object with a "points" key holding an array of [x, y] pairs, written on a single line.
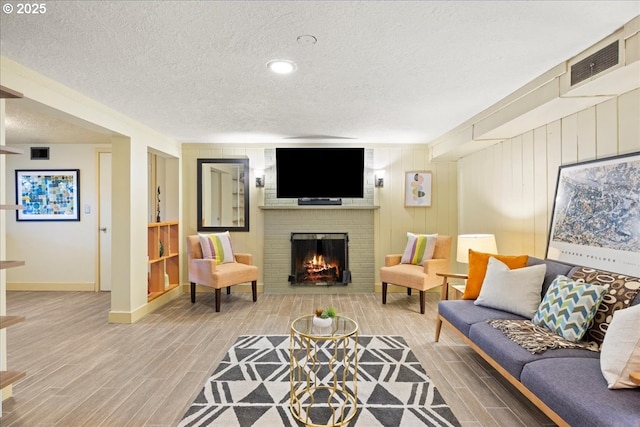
{"points": [[320, 259]]}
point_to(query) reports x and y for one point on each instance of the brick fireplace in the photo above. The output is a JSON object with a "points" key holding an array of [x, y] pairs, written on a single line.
{"points": [[282, 217], [280, 222], [320, 259]]}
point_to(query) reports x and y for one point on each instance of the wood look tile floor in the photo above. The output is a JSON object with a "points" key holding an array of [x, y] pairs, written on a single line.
{"points": [[83, 371]]}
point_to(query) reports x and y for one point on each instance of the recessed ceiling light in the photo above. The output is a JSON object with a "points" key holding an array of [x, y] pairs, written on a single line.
{"points": [[281, 66]]}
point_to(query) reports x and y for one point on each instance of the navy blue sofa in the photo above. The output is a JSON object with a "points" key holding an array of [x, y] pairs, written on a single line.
{"points": [[566, 384]]}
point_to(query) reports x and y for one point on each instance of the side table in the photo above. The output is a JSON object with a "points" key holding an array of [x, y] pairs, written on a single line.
{"points": [[444, 294], [323, 371]]}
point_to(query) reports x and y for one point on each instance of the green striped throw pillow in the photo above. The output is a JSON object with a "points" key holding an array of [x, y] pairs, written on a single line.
{"points": [[217, 246], [420, 247]]}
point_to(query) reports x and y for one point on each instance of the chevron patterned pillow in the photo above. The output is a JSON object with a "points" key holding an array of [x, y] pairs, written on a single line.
{"points": [[568, 307]]}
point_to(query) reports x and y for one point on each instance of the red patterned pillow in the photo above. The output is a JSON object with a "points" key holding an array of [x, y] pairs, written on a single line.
{"points": [[621, 290]]}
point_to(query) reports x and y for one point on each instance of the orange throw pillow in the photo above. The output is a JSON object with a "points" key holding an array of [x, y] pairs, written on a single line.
{"points": [[478, 269]]}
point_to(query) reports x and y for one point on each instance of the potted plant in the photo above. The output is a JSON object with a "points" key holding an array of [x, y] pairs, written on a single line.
{"points": [[324, 318]]}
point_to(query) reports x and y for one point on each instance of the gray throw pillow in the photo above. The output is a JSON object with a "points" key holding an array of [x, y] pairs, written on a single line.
{"points": [[517, 291]]}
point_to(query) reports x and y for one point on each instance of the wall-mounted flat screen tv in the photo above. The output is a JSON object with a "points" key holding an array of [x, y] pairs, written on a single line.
{"points": [[319, 172]]}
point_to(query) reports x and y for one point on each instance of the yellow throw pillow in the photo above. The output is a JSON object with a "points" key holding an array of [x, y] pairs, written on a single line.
{"points": [[478, 268]]}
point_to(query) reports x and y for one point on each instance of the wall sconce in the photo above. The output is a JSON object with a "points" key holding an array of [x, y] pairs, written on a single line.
{"points": [[259, 178], [379, 178]]}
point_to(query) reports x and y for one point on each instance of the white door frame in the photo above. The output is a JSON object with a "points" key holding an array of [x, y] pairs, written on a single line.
{"points": [[100, 234]]}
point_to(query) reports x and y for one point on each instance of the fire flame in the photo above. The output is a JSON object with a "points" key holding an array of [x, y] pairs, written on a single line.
{"points": [[318, 263], [317, 267]]}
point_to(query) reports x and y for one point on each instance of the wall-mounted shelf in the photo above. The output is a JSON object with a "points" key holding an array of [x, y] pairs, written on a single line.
{"points": [[9, 377], [11, 207], [10, 264], [6, 321], [5, 149], [5, 92]]}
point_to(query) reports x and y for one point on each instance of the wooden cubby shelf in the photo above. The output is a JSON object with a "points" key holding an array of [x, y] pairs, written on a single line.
{"points": [[163, 243]]}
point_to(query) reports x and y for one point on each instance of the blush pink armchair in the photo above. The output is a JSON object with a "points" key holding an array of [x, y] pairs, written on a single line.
{"points": [[205, 272], [419, 277]]}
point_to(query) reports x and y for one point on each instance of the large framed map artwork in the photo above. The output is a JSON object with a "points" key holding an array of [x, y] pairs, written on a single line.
{"points": [[596, 215]]}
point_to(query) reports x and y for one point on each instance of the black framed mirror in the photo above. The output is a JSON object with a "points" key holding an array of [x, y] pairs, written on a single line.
{"points": [[223, 194]]}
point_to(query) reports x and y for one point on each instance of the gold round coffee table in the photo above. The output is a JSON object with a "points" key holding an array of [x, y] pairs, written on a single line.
{"points": [[323, 371]]}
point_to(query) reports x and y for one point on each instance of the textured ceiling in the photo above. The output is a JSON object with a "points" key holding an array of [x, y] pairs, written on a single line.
{"points": [[28, 122], [390, 72]]}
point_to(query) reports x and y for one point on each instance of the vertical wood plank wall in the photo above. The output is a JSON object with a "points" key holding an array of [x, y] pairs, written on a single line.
{"points": [[391, 222], [508, 188]]}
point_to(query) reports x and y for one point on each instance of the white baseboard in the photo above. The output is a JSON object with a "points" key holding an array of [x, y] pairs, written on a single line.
{"points": [[88, 287], [139, 313]]}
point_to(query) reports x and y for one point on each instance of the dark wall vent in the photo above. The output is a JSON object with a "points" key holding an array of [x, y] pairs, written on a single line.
{"points": [[39, 153], [594, 64]]}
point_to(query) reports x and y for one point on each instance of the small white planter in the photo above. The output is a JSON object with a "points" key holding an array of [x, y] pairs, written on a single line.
{"points": [[322, 323]]}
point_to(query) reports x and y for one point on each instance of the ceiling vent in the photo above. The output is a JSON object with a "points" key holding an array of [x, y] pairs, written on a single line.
{"points": [[596, 63]]}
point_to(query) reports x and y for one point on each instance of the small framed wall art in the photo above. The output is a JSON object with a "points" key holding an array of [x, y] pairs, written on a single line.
{"points": [[417, 189], [48, 194]]}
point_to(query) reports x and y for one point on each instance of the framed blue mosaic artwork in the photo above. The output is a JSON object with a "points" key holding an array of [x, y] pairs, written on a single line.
{"points": [[48, 195]]}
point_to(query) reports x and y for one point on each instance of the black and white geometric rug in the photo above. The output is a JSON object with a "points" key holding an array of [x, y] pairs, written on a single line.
{"points": [[251, 387]]}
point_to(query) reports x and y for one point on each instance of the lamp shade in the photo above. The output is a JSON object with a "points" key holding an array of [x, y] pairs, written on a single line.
{"points": [[478, 242]]}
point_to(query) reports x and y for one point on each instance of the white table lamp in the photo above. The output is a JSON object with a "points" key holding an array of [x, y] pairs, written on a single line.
{"points": [[478, 242]]}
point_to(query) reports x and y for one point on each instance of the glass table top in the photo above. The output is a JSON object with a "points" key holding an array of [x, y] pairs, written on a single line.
{"points": [[341, 326]]}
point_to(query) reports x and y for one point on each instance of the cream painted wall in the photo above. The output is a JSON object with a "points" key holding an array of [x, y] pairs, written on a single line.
{"points": [[508, 188], [392, 220], [56, 253], [163, 172]]}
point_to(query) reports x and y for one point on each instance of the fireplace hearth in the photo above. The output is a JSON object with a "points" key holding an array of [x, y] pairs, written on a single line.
{"points": [[319, 259]]}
